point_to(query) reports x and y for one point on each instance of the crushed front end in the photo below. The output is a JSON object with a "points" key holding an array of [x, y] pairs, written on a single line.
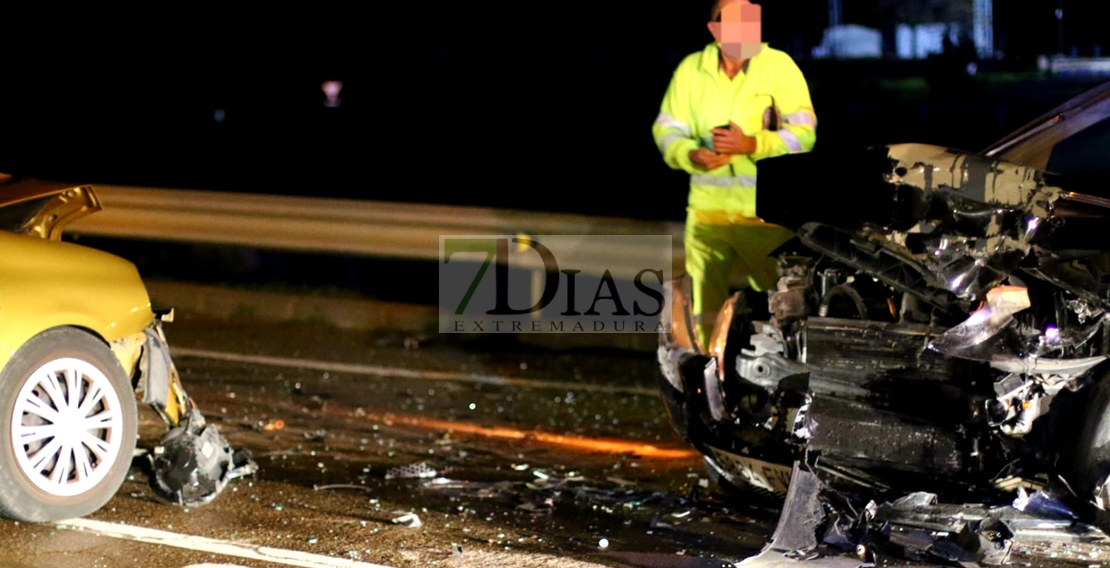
{"points": [[952, 334]]}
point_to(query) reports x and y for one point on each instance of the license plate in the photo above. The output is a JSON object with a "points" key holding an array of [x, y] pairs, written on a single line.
{"points": [[765, 475]]}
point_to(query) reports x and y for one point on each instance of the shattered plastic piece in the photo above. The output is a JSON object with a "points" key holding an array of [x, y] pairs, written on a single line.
{"points": [[1060, 370], [839, 533], [409, 520], [914, 501], [804, 424], [1013, 482], [341, 486], [1102, 495], [989, 539], [194, 463], [801, 513], [1001, 304], [1043, 505], [534, 508], [871, 510], [244, 465], [945, 518], [415, 471], [1022, 499]]}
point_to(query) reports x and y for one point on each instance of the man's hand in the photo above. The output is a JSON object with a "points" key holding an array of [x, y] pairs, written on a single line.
{"points": [[732, 140], [709, 159]]}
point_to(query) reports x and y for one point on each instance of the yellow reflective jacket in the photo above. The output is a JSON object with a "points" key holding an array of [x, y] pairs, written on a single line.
{"points": [[769, 101]]}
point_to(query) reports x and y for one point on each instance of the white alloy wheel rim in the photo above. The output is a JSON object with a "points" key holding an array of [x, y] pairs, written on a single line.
{"points": [[67, 427]]}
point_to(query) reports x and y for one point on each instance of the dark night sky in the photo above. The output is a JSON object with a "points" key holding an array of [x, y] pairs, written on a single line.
{"points": [[452, 103], [543, 106]]}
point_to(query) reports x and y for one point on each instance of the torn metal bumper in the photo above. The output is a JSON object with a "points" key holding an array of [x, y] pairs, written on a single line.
{"points": [[193, 462]]}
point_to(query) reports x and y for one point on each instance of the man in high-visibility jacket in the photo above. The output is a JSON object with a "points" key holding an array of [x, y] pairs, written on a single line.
{"points": [[728, 106]]}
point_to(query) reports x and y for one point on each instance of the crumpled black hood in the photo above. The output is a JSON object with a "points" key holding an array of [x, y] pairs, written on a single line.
{"points": [[959, 222]]}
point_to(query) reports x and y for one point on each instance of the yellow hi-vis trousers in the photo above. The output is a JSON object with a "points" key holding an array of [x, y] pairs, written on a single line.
{"points": [[719, 244]]}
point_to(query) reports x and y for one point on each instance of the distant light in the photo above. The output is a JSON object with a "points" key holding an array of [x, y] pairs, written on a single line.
{"points": [[219, 115], [1051, 333], [1059, 14], [331, 90], [972, 68]]}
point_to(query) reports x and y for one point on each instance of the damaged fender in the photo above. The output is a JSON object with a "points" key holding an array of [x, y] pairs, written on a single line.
{"points": [[193, 462]]}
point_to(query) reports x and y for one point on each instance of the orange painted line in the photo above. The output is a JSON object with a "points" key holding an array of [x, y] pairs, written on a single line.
{"points": [[572, 442]]}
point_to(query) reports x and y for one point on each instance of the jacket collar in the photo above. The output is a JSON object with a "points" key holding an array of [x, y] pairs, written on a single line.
{"points": [[710, 57]]}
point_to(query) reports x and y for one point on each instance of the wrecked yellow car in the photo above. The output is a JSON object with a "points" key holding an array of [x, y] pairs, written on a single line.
{"points": [[80, 346]]}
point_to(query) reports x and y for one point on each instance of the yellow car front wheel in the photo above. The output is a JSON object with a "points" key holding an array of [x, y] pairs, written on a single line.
{"points": [[68, 424]]}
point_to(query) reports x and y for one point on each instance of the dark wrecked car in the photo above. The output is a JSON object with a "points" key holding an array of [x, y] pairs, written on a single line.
{"points": [[941, 322], [80, 344]]}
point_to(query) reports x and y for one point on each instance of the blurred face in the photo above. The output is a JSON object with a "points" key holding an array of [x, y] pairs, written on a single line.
{"points": [[738, 30]]}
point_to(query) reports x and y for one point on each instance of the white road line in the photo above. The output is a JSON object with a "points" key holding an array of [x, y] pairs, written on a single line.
{"points": [[211, 545], [381, 371]]}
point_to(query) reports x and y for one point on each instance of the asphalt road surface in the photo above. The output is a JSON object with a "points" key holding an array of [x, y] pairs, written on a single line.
{"points": [[381, 450]]}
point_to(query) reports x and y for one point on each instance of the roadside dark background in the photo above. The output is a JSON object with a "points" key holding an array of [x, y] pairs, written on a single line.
{"points": [[539, 106], [543, 106]]}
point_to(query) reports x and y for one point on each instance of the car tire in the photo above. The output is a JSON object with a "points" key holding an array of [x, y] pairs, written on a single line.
{"points": [[32, 385]]}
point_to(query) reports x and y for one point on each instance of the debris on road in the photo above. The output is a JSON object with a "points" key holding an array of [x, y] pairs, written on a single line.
{"points": [[277, 424], [342, 486], [409, 520], [1043, 504], [415, 471], [827, 528]]}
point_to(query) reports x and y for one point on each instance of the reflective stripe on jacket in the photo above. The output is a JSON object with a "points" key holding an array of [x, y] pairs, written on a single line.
{"points": [[770, 101]]}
